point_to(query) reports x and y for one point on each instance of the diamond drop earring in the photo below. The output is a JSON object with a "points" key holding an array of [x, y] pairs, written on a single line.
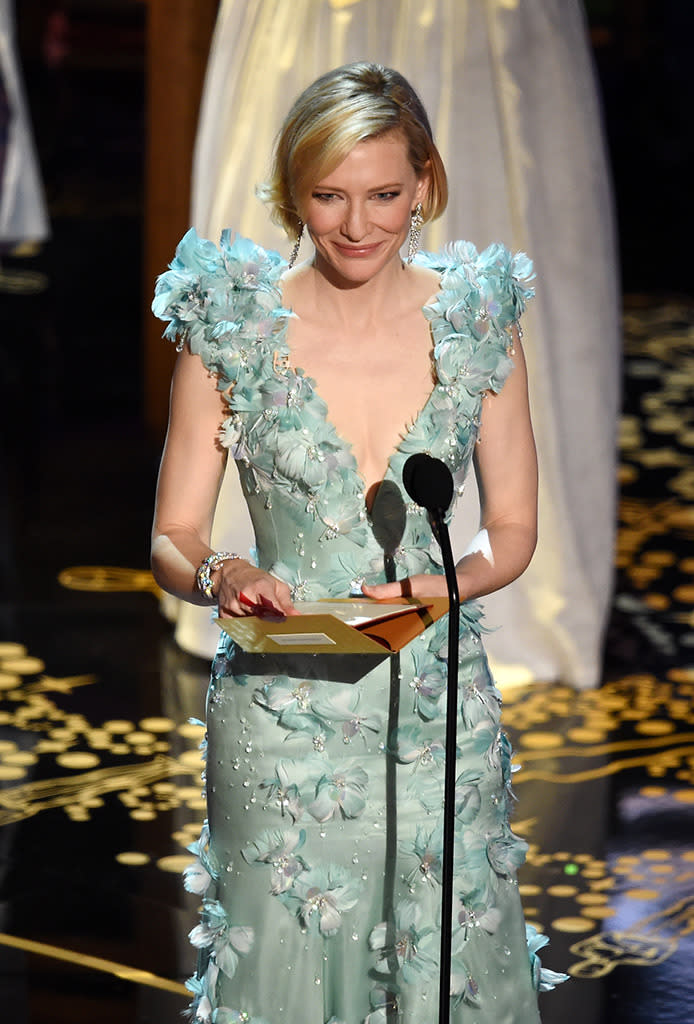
{"points": [[416, 222], [295, 248]]}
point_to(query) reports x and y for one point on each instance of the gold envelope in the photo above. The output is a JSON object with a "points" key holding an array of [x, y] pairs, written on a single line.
{"points": [[325, 633]]}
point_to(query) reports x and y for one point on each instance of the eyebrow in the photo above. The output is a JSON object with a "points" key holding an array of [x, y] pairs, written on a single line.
{"points": [[378, 188]]}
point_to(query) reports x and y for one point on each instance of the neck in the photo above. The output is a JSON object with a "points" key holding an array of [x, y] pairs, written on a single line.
{"points": [[360, 301]]}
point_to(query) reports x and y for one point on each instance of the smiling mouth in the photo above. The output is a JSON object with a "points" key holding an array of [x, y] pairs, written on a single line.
{"points": [[357, 250]]}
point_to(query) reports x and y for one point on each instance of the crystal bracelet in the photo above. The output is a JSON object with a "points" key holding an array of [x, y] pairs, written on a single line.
{"points": [[203, 574]]}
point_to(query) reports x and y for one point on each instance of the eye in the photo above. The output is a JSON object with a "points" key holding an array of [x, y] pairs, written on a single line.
{"points": [[324, 197], [386, 196]]}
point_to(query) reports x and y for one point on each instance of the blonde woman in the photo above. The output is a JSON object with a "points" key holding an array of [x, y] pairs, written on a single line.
{"points": [[321, 864]]}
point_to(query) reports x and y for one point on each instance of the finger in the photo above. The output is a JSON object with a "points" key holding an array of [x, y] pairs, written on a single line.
{"points": [[265, 607], [266, 595], [261, 607], [283, 599], [285, 607], [268, 609], [382, 591], [233, 609]]}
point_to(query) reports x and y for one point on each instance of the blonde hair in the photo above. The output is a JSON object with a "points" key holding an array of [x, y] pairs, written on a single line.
{"points": [[340, 109]]}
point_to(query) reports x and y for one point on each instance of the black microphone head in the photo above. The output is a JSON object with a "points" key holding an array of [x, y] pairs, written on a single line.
{"points": [[428, 481], [388, 516]]}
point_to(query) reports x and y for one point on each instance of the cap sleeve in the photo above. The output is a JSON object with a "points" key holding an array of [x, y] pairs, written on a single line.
{"points": [[482, 298], [223, 302]]}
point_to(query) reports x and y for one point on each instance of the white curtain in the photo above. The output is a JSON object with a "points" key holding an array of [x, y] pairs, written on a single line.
{"points": [[510, 92], [22, 208]]}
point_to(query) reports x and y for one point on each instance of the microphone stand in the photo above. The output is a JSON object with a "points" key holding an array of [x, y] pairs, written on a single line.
{"points": [[429, 483], [442, 535]]}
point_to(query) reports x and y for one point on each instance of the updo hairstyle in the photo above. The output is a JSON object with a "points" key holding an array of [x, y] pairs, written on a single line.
{"points": [[340, 109]]}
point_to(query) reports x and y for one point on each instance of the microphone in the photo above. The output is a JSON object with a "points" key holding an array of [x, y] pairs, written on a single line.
{"points": [[428, 482], [388, 522]]}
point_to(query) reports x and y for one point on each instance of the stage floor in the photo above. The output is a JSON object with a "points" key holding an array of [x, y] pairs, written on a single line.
{"points": [[99, 762]]}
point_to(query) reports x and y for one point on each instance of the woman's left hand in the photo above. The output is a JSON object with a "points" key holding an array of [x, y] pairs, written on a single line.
{"points": [[421, 586]]}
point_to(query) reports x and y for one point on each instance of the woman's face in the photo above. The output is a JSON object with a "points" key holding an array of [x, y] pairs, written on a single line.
{"points": [[358, 216]]}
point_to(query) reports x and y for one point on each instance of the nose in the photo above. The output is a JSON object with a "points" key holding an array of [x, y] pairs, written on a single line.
{"points": [[356, 223]]}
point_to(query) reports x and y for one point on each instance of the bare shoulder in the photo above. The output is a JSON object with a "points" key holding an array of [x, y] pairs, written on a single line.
{"points": [[425, 283], [295, 284]]}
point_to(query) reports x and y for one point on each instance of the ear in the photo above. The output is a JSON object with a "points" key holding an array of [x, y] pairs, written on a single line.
{"points": [[423, 184], [296, 210]]}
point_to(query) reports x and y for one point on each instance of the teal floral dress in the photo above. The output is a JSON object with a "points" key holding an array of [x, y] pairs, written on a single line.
{"points": [[319, 868]]}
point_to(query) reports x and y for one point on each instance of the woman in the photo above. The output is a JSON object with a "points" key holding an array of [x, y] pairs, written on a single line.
{"points": [[321, 865]]}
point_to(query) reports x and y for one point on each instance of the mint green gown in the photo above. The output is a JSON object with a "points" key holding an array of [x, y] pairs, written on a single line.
{"points": [[319, 868]]}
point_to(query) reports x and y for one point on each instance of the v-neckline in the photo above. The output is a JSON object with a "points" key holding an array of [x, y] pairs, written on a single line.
{"points": [[345, 443]]}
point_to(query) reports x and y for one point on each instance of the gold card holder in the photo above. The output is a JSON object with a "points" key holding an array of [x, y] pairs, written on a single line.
{"points": [[358, 626]]}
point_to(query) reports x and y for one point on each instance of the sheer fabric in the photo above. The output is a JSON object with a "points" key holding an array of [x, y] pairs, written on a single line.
{"points": [[22, 208]]}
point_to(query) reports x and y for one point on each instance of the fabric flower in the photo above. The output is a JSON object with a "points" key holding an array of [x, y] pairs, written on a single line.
{"points": [[197, 876], [247, 263], [414, 948], [384, 1006], [349, 570], [324, 895], [303, 456], [480, 700], [427, 788], [412, 746], [506, 853], [473, 872], [472, 910], [427, 847], [468, 799], [226, 942], [482, 741], [454, 254], [464, 988], [231, 431], [544, 980], [278, 847], [499, 753], [429, 683], [485, 370], [291, 703], [301, 589], [343, 704], [284, 792], [298, 774], [340, 512], [203, 990], [340, 792]]}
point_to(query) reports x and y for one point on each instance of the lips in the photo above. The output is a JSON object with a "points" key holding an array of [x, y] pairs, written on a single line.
{"points": [[357, 251]]}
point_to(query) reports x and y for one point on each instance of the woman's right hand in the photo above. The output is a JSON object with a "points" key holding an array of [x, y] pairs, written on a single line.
{"points": [[242, 589]]}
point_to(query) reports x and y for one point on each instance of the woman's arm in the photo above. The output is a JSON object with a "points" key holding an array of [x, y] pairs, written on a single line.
{"points": [[506, 469], [189, 481]]}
